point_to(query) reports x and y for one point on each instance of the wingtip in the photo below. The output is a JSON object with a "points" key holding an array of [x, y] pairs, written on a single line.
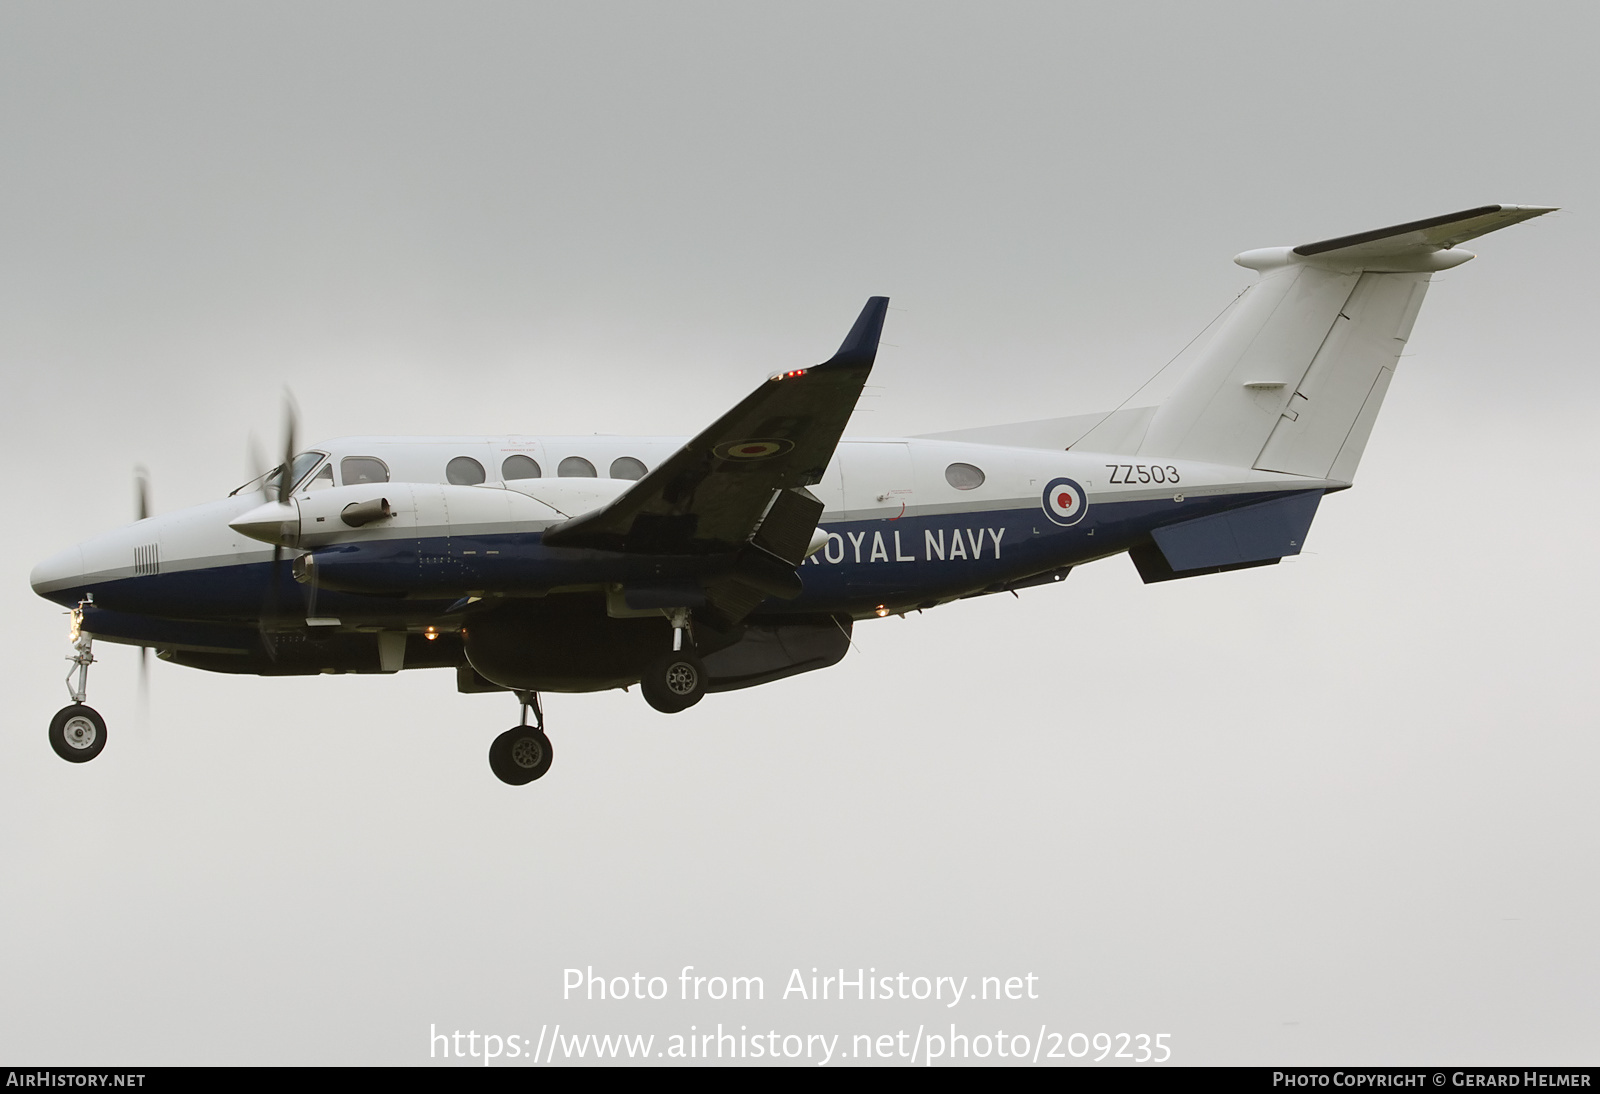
{"points": [[860, 346]]}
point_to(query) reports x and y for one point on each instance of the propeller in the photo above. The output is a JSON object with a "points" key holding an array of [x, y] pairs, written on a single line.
{"points": [[257, 466], [141, 511], [141, 492], [291, 427]]}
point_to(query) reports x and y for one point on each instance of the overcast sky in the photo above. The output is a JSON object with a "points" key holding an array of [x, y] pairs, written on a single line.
{"points": [[1336, 811]]}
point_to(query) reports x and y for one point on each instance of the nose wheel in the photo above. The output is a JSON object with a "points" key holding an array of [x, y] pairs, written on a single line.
{"points": [[77, 733], [522, 753]]}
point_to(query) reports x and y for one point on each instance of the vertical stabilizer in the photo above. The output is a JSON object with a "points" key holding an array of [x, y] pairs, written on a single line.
{"points": [[1227, 404], [1328, 418], [1294, 378]]}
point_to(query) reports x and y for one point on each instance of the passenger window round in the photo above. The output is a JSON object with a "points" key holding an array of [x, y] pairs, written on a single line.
{"points": [[520, 467], [464, 471], [359, 469], [626, 467], [963, 476], [576, 467]]}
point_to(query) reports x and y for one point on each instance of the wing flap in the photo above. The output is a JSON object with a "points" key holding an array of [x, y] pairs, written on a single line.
{"points": [[785, 531]]}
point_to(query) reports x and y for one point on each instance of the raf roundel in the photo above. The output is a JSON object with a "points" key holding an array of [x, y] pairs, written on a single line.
{"points": [[752, 449], [1064, 502]]}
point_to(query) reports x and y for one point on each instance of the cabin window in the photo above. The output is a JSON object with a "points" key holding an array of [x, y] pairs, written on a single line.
{"points": [[963, 476], [359, 469], [520, 467], [464, 471], [626, 467], [576, 467]]}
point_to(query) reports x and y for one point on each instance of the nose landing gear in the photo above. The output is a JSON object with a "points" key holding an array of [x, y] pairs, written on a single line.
{"points": [[522, 753], [77, 732]]}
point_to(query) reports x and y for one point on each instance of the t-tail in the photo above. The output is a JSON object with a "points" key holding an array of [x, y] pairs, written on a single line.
{"points": [[1295, 375], [1296, 371], [1289, 384]]}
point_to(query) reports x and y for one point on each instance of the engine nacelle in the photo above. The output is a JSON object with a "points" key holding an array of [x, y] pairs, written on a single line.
{"points": [[393, 510]]}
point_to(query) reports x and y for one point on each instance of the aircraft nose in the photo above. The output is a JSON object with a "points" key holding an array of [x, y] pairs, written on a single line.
{"points": [[61, 571]]}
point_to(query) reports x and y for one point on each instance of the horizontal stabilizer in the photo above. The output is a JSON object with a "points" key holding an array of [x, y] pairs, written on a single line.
{"points": [[1418, 246], [1433, 234]]}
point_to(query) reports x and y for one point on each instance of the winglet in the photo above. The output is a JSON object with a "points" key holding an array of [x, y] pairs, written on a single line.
{"points": [[860, 347]]}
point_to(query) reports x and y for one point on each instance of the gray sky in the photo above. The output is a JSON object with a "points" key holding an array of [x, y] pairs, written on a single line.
{"points": [[1336, 811]]}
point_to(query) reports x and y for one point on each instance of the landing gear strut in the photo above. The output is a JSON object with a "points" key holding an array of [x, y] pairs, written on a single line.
{"points": [[522, 753], [77, 732], [677, 681]]}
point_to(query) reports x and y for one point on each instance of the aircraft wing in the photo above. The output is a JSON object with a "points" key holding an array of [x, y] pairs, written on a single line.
{"points": [[742, 479]]}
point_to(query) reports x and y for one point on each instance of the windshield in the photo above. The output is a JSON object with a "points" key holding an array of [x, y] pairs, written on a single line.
{"points": [[302, 466]]}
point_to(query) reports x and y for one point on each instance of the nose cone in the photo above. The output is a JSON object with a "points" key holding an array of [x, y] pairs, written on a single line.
{"points": [[61, 573], [274, 522]]}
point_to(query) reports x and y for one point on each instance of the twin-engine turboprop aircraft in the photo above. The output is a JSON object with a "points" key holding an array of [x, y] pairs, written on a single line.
{"points": [[748, 553]]}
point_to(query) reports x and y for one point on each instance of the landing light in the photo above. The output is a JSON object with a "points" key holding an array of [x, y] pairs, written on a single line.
{"points": [[430, 634], [881, 610]]}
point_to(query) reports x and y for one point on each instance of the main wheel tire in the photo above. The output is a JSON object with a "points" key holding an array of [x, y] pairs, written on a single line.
{"points": [[674, 682], [520, 755], [78, 733]]}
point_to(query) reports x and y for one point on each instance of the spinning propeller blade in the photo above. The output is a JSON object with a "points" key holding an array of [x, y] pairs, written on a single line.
{"points": [[291, 427], [144, 682], [141, 492]]}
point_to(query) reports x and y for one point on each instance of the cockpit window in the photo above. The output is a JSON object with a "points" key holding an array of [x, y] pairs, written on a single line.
{"points": [[302, 465], [321, 480], [464, 471], [298, 469], [359, 469]]}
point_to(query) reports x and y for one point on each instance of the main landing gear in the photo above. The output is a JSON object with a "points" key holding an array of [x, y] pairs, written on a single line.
{"points": [[676, 681], [522, 753], [77, 732]]}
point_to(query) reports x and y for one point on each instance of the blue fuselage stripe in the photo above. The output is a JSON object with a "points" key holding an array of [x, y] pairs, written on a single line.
{"points": [[900, 562]]}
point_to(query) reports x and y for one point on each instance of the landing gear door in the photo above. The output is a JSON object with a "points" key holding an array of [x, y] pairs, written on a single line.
{"points": [[877, 479]]}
